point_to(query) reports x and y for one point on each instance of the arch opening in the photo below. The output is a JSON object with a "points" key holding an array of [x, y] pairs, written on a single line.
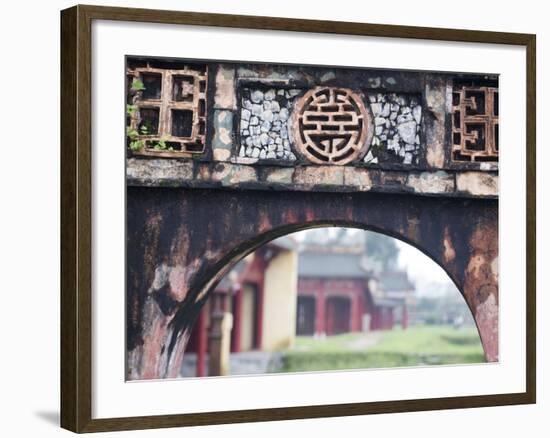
{"points": [[345, 318]]}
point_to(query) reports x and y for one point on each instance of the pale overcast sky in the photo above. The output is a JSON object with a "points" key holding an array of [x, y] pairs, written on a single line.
{"points": [[420, 266]]}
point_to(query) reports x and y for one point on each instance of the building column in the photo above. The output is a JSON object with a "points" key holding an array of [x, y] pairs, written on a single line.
{"points": [[405, 317], [320, 306], [259, 315], [202, 342], [237, 321], [355, 313]]}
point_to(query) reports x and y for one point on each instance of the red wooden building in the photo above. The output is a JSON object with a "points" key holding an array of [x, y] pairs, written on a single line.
{"points": [[253, 293], [338, 294]]}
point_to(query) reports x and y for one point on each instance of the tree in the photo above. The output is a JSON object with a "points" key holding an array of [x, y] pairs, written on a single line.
{"points": [[382, 249]]}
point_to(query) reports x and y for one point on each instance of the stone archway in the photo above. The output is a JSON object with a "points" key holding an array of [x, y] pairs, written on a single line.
{"points": [[181, 242]]}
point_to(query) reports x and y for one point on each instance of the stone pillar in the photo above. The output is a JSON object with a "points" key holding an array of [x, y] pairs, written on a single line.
{"points": [[481, 286], [219, 343]]}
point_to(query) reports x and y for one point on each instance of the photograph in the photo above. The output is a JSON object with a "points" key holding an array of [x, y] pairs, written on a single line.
{"points": [[287, 218], [268, 218], [274, 219]]}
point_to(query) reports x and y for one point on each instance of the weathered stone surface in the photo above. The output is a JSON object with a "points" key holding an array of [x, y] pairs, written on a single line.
{"points": [[176, 173], [391, 180], [158, 170], [245, 114], [407, 131], [265, 124], [431, 182], [282, 175], [256, 96], [244, 160], [223, 130], [489, 166], [221, 154], [267, 115], [225, 88], [264, 139], [257, 109], [328, 76], [375, 107], [434, 125], [221, 172], [171, 220], [229, 174], [241, 174], [204, 172], [357, 177], [319, 175], [379, 121], [397, 119], [477, 183], [417, 113]]}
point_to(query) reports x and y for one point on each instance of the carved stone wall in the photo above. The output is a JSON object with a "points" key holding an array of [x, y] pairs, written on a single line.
{"points": [[475, 124], [248, 123], [166, 108]]}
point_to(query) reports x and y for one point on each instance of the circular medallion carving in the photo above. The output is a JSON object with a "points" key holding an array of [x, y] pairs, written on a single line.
{"points": [[332, 126]]}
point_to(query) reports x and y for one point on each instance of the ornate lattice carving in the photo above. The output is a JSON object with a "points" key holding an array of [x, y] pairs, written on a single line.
{"points": [[332, 126], [167, 111], [475, 124]]}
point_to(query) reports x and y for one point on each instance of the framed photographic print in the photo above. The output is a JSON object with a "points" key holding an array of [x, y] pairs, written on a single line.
{"points": [[268, 218]]}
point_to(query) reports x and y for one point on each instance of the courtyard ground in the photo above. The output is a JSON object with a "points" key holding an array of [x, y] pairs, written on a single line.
{"points": [[416, 346]]}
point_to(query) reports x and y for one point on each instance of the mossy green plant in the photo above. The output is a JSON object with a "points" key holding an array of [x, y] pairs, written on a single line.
{"points": [[137, 85], [131, 110], [137, 145]]}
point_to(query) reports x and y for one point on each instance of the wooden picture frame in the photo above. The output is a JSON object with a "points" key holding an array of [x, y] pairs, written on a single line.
{"points": [[76, 218]]}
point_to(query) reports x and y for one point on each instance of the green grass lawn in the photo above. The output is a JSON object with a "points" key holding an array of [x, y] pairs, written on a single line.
{"points": [[421, 345]]}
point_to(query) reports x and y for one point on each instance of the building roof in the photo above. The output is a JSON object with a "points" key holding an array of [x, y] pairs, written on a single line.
{"points": [[395, 281], [326, 265]]}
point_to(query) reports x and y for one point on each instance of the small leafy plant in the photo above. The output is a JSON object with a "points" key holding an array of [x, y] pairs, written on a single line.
{"points": [[135, 143], [133, 134], [162, 146], [131, 110], [137, 85]]}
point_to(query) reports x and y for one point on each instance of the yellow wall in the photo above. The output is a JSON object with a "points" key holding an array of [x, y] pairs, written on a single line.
{"points": [[280, 297]]}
